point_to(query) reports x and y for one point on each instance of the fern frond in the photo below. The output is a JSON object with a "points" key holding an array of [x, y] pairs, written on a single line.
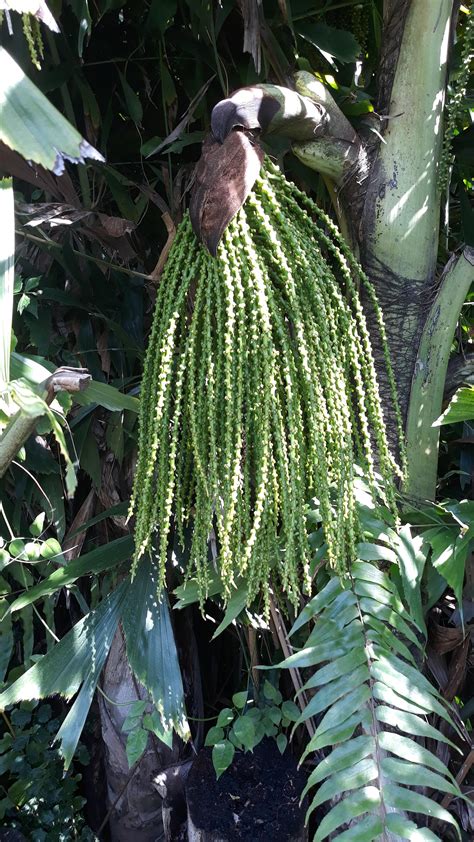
{"points": [[365, 680]]}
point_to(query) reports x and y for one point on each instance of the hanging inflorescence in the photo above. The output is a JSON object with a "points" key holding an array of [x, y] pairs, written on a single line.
{"points": [[259, 392], [34, 39], [456, 103]]}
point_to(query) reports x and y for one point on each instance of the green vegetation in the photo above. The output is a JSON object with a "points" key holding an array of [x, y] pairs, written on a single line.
{"points": [[293, 451]]}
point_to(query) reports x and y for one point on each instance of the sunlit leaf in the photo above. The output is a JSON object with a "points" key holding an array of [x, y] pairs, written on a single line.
{"points": [[151, 648], [461, 407], [7, 257], [32, 126]]}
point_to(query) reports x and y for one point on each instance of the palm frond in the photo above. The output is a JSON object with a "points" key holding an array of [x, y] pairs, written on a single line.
{"points": [[366, 679]]}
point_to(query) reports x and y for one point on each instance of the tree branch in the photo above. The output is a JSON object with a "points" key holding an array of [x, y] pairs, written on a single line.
{"points": [[20, 427]]}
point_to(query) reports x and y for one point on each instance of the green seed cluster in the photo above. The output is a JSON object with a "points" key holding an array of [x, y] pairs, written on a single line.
{"points": [[34, 39], [259, 392], [456, 103]]}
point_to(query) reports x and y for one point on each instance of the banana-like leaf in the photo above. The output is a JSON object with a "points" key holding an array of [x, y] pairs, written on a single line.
{"points": [[76, 660], [32, 126], [151, 647], [96, 561], [365, 680], [7, 258]]}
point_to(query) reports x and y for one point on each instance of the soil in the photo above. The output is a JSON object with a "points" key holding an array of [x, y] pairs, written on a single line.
{"points": [[257, 798]]}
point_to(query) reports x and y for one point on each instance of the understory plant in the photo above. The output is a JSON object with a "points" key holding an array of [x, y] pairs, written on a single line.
{"points": [[244, 725], [36, 798]]}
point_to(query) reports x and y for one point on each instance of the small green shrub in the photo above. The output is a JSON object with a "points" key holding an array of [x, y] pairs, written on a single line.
{"points": [[246, 723], [35, 797]]}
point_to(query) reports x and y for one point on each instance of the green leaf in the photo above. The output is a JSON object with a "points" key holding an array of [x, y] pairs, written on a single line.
{"points": [[6, 638], [342, 757], [188, 594], [357, 803], [271, 693], [32, 126], [160, 15], [168, 86], [36, 528], [235, 606], [333, 691], [107, 396], [366, 830], [96, 561], [401, 826], [81, 10], [414, 802], [408, 749], [103, 394], [282, 742], [411, 559], [341, 710], [385, 694], [339, 734], [382, 596], [410, 724], [136, 745], [274, 714], [375, 552], [449, 555], [352, 777], [239, 700], [153, 722], [51, 548], [410, 683], [290, 711], [132, 100], [322, 600], [222, 756], [331, 42], [151, 647], [244, 730], [130, 723], [460, 408], [225, 717], [381, 634], [213, 736], [7, 275], [17, 548], [138, 708], [312, 655], [402, 772], [340, 667], [387, 615]]}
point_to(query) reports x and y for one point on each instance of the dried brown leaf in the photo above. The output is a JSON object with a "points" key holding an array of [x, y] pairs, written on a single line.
{"points": [[224, 177]]}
